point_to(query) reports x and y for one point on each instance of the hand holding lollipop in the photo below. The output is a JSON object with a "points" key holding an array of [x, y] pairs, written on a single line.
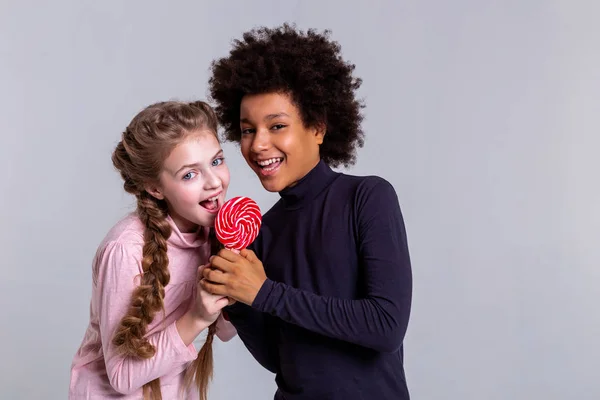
{"points": [[237, 273], [236, 226]]}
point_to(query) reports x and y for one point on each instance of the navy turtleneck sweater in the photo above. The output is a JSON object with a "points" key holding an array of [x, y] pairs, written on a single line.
{"points": [[330, 319]]}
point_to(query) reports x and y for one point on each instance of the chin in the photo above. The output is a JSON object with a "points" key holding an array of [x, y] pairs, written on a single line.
{"points": [[272, 186], [207, 221]]}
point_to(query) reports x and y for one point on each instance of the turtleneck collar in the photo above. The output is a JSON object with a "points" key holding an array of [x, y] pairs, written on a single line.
{"points": [[308, 187], [187, 240]]}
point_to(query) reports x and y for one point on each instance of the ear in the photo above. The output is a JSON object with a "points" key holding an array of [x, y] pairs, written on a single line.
{"points": [[155, 192], [320, 130]]}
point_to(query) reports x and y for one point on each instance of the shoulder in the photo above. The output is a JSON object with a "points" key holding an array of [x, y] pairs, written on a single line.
{"points": [[366, 187], [128, 230], [372, 197], [119, 255]]}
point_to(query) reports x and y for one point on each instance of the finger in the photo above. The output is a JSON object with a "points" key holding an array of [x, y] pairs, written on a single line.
{"points": [[205, 272], [215, 275], [214, 288], [222, 264], [222, 302], [208, 297], [208, 271], [200, 269], [213, 303], [229, 255], [249, 255]]}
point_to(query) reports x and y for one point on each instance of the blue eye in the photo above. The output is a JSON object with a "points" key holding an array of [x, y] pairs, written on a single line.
{"points": [[218, 161], [189, 175]]}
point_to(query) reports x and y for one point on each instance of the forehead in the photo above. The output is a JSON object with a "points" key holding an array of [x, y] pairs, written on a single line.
{"points": [[264, 104], [198, 147]]}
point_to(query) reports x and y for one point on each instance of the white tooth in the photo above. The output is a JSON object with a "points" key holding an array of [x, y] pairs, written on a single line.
{"points": [[270, 161]]}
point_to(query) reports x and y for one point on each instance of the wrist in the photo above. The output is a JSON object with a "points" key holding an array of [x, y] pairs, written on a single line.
{"points": [[189, 327], [195, 319], [261, 298]]}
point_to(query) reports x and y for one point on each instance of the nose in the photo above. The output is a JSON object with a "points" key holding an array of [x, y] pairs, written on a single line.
{"points": [[211, 180], [261, 141]]}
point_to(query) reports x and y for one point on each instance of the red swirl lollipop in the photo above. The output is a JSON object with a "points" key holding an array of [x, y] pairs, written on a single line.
{"points": [[237, 223]]}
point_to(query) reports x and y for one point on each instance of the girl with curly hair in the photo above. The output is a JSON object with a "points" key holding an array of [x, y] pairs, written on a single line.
{"points": [[147, 305], [324, 293]]}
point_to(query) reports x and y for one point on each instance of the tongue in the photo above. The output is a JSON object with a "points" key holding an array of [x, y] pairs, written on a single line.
{"points": [[209, 205]]}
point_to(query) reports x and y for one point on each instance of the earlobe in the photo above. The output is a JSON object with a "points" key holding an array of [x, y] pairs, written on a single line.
{"points": [[320, 133]]}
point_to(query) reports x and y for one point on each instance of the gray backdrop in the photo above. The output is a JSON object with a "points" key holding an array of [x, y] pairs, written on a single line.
{"points": [[483, 114]]}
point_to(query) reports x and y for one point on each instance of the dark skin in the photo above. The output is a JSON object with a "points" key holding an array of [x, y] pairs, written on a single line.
{"points": [[238, 276], [271, 129]]}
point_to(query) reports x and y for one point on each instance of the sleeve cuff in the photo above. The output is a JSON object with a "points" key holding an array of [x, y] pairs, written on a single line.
{"points": [[225, 329], [262, 296], [235, 307]]}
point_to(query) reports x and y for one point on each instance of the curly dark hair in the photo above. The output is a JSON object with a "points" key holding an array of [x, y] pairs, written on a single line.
{"points": [[306, 66]]}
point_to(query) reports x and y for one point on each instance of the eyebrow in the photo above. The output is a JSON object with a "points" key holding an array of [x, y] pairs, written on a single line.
{"points": [[267, 117], [220, 152]]}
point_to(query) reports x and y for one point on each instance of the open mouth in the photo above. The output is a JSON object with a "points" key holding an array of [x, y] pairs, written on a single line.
{"points": [[211, 204], [269, 166]]}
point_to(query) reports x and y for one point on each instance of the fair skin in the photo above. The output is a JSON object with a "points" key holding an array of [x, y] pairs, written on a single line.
{"points": [[193, 174], [193, 181], [281, 150]]}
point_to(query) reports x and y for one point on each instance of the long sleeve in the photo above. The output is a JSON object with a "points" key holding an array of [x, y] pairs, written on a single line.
{"points": [[118, 270], [253, 328], [225, 329], [379, 319]]}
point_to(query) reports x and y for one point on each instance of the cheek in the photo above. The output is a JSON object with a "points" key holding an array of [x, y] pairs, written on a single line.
{"points": [[186, 199], [184, 194], [289, 144], [224, 177]]}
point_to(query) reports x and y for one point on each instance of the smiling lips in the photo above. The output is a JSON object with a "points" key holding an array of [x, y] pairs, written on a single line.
{"points": [[269, 166], [211, 204]]}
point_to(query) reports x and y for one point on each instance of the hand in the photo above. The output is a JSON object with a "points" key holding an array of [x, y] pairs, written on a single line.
{"points": [[204, 310], [238, 276], [206, 306]]}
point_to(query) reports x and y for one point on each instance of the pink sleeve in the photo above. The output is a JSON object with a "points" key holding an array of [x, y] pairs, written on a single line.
{"points": [[119, 267], [225, 329]]}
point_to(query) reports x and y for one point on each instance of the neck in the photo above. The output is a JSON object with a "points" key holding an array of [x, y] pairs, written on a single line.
{"points": [[312, 166], [307, 188]]}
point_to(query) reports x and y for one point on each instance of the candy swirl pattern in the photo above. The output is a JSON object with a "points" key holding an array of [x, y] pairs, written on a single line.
{"points": [[238, 222]]}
